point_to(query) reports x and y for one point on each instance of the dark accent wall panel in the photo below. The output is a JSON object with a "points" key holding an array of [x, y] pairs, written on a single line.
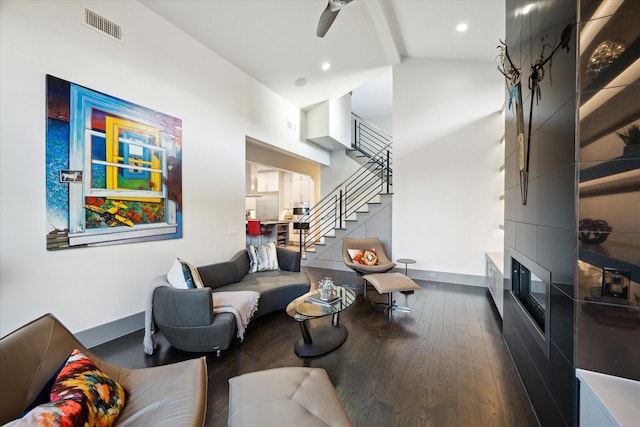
{"points": [[608, 308], [585, 165], [544, 230]]}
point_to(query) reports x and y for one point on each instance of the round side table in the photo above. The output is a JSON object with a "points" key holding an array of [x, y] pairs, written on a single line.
{"points": [[406, 262]]}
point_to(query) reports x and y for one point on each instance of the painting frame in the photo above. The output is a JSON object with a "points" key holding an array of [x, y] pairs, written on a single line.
{"points": [[113, 169]]}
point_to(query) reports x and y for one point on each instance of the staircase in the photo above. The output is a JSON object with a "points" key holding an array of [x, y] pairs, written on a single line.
{"points": [[358, 207]]}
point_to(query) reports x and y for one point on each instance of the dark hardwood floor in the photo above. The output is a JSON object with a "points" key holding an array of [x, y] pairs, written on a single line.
{"points": [[443, 364]]}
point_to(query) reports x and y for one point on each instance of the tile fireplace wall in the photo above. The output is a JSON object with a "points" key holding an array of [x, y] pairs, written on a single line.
{"points": [[579, 169]]}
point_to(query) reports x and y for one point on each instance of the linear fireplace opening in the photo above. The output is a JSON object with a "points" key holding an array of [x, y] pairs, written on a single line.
{"points": [[531, 287], [531, 291]]}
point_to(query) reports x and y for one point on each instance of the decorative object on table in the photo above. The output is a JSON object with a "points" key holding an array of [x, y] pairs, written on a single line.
{"points": [[593, 232], [513, 75], [316, 298], [602, 56], [631, 139], [327, 289], [615, 283]]}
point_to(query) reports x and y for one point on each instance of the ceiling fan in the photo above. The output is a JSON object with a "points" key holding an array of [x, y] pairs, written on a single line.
{"points": [[329, 15]]}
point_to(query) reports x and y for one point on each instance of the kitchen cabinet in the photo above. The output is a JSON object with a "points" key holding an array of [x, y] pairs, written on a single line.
{"points": [[302, 188], [298, 188], [268, 181]]}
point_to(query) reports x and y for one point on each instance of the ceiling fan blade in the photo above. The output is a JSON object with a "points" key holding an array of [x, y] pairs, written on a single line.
{"points": [[329, 15], [326, 19]]}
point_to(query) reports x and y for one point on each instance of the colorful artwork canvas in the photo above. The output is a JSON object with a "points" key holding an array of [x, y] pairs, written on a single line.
{"points": [[113, 169]]}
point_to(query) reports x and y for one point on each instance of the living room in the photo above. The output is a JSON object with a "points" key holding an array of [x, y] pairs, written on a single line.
{"points": [[162, 67], [448, 125]]}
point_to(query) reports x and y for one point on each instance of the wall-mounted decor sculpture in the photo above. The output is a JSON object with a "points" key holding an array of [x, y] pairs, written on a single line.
{"points": [[513, 75]]}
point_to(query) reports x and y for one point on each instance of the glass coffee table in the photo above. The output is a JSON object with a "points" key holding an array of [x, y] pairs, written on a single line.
{"points": [[324, 338]]}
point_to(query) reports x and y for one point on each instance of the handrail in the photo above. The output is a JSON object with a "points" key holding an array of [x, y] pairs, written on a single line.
{"points": [[367, 138], [372, 178]]}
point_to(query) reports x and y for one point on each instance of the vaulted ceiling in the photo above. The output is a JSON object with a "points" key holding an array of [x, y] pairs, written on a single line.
{"points": [[275, 41]]}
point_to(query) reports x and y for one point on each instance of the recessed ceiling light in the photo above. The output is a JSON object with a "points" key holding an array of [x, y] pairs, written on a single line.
{"points": [[300, 81], [462, 27], [326, 66]]}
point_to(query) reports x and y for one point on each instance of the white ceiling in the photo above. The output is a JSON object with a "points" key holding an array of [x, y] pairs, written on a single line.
{"points": [[275, 40]]}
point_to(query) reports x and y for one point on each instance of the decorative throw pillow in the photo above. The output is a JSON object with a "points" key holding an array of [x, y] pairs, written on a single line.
{"points": [[366, 257], [263, 258], [355, 255], [369, 257], [183, 275], [81, 395]]}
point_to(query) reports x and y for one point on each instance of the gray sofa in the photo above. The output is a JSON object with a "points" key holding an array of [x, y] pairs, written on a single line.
{"points": [[186, 318]]}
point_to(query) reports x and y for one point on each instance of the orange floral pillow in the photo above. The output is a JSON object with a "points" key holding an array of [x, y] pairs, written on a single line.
{"points": [[367, 257]]}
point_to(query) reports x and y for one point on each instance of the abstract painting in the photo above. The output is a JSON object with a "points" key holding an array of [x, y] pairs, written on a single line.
{"points": [[113, 169]]}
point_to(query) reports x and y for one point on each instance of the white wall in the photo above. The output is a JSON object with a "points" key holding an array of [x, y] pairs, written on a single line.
{"points": [[373, 101], [158, 67], [447, 155]]}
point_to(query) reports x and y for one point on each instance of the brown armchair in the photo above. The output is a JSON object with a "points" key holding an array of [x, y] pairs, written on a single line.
{"points": [[167, 395], [383, 265]]}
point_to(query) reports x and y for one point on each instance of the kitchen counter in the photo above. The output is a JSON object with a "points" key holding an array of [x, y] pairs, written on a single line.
{"points": [[279, 233]]}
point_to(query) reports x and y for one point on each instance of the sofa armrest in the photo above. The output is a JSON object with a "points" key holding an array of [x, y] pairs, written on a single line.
{"points": [[288, 259], [182, 307]]}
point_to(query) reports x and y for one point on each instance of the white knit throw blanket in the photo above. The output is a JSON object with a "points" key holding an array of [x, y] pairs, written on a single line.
{"points": [[243, 304]]}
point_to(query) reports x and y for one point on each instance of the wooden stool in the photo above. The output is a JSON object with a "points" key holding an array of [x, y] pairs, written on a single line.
{"points": [[389, 283]]}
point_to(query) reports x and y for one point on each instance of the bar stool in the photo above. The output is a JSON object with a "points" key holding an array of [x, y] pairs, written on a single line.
{"points": [[254, 228]]}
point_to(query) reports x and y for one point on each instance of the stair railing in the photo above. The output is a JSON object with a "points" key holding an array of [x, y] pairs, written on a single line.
{"points": [[331, 212], [368, 138]]}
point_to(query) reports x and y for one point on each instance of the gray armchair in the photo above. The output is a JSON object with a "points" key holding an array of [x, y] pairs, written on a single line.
{"points": [[161, 396]]}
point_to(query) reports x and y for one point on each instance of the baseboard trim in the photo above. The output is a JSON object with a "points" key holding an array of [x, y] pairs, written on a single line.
{"points": [[443, 277], [112, 330], [432, 276]]}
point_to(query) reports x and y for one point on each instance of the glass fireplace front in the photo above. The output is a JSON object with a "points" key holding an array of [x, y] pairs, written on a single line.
{"points": [[531, 291]]}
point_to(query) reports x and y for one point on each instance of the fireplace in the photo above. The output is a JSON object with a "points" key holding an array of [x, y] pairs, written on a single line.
{"points": [[530, 287]]}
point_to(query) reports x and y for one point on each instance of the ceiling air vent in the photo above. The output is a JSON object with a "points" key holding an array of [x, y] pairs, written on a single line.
{"points": [[103, 25]]}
